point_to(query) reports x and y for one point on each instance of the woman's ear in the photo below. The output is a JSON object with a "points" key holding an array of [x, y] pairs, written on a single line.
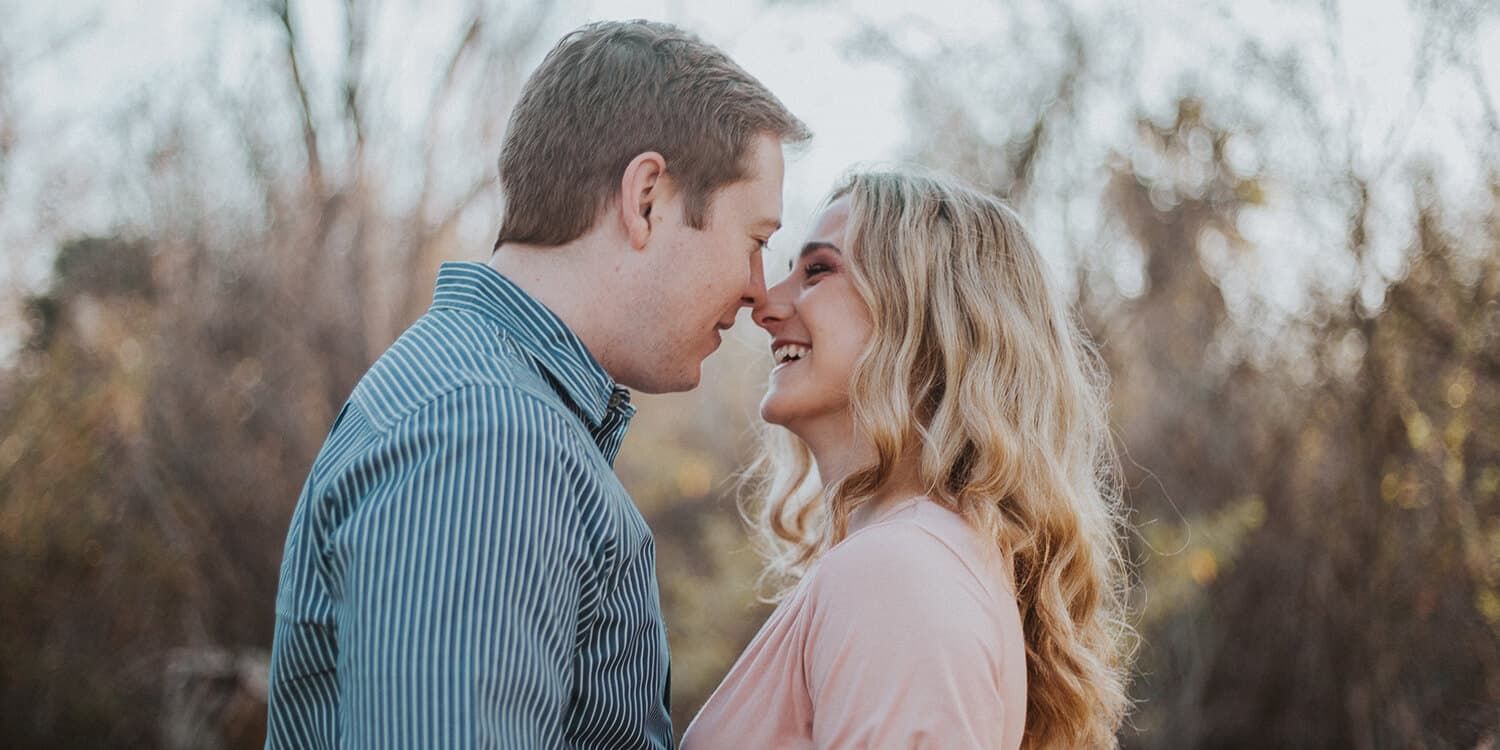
{"points": [[641, 188]]}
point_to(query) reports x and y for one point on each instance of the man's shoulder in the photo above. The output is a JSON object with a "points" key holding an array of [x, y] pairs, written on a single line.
{"points": [[449, 356]]}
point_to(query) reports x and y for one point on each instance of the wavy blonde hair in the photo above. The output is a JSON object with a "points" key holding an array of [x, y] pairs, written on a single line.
{"points": [[974, 357]]}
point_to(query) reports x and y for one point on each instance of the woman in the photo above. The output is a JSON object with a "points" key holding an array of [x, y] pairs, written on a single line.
{"points": [[941, 495]]}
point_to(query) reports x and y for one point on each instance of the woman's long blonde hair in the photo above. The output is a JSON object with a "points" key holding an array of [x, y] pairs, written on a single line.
{"points": [[974, 356]]}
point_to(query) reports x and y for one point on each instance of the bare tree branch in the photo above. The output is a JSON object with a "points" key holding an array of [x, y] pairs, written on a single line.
{"points": [[436, 105], [426, 236], [1442, 335], [282, 10], [355, 27], [444, 85]]}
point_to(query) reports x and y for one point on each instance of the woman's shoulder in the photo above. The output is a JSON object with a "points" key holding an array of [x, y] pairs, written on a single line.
{"points": [[920, 549], [916, 529]]}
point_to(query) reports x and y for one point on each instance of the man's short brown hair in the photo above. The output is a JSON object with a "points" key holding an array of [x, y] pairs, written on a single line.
{"points": [[611, 91]]}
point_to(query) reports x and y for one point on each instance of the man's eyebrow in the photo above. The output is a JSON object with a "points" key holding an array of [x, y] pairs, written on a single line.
{"points": [[768, 224]]}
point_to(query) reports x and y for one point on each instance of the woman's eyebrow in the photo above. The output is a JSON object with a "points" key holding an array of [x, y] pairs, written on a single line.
{"points": [[813, 247]]}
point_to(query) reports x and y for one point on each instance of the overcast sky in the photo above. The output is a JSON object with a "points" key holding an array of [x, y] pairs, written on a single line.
{"points": [[128, 51], [854, 108]]}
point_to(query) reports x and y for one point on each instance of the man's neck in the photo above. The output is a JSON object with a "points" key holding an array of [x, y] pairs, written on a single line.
{"points": [[564, 280]]}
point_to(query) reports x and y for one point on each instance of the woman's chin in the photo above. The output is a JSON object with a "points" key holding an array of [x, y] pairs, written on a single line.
{"points": [[775, 410], [769, 415]]}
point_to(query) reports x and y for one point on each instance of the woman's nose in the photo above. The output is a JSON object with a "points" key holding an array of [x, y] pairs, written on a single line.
{"points": [[775, 307]]}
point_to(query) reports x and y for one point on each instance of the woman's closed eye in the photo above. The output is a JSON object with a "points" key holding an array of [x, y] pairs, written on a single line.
{"points": [[813, 270]]}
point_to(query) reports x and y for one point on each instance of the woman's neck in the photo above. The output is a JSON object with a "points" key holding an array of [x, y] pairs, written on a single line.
{"points": [[838, 452]]}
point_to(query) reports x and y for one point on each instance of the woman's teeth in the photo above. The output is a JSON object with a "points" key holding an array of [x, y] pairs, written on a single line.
{"points": [[790, 352]]}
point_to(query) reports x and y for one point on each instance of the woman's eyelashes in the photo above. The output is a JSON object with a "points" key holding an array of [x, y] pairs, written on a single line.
{"points": [[812, 268], [815, 269]]}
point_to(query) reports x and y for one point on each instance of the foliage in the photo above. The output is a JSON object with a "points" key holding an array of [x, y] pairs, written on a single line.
{"points": [[1315, 483]]}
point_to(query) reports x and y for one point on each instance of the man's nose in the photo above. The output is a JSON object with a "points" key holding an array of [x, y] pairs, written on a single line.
{"points": [[755, 291]]}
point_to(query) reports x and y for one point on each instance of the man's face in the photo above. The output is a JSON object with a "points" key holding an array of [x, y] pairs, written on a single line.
{"points": [[705, 276]]}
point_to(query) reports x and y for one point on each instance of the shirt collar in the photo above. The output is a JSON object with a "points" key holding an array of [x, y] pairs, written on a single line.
{"points": [[479, 288]]}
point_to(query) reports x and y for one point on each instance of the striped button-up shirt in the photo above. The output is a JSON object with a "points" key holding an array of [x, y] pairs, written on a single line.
{"points": [[463, 568]]}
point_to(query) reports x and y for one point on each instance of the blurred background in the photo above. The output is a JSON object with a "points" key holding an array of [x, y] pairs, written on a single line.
{"points": [[1280, 219]]}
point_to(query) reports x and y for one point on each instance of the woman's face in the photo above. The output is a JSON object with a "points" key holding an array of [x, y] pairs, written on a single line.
{"points": [[819, 327]]}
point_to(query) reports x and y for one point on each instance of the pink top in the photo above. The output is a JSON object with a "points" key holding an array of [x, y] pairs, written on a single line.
{"points": [[904, 635]]}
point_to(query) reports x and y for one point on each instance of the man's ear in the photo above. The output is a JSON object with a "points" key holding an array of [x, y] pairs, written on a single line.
{"points": [[642, 189]]}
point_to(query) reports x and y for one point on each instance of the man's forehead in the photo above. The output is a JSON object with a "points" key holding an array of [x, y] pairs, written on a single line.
{"points": [[742, 206], [758, 206]]}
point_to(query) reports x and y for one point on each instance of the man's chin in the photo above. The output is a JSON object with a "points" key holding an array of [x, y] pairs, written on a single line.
{"points": [[663, 383]]}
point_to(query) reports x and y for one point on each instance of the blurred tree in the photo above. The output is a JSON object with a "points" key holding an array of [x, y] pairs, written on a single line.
{"points": [[1375, 573], [1316, 487], [155, 435], [90, 588]]}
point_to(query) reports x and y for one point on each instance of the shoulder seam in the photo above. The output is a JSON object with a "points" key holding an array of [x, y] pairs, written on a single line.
{"points": [[907, 522], [554, 409]]}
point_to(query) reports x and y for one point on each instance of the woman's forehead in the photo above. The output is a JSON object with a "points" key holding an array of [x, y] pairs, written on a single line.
{"points": [[831, 223]]}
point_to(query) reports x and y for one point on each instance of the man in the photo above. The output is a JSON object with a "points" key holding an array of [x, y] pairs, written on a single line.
{"points": [[463, 567]]}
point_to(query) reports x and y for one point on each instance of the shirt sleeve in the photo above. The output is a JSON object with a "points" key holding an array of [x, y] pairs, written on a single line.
{"points": [[460, 577], [901, 650]]}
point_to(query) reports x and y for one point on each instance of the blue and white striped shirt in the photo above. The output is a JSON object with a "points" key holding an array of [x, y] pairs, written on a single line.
{"points": [[463, 568]]}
